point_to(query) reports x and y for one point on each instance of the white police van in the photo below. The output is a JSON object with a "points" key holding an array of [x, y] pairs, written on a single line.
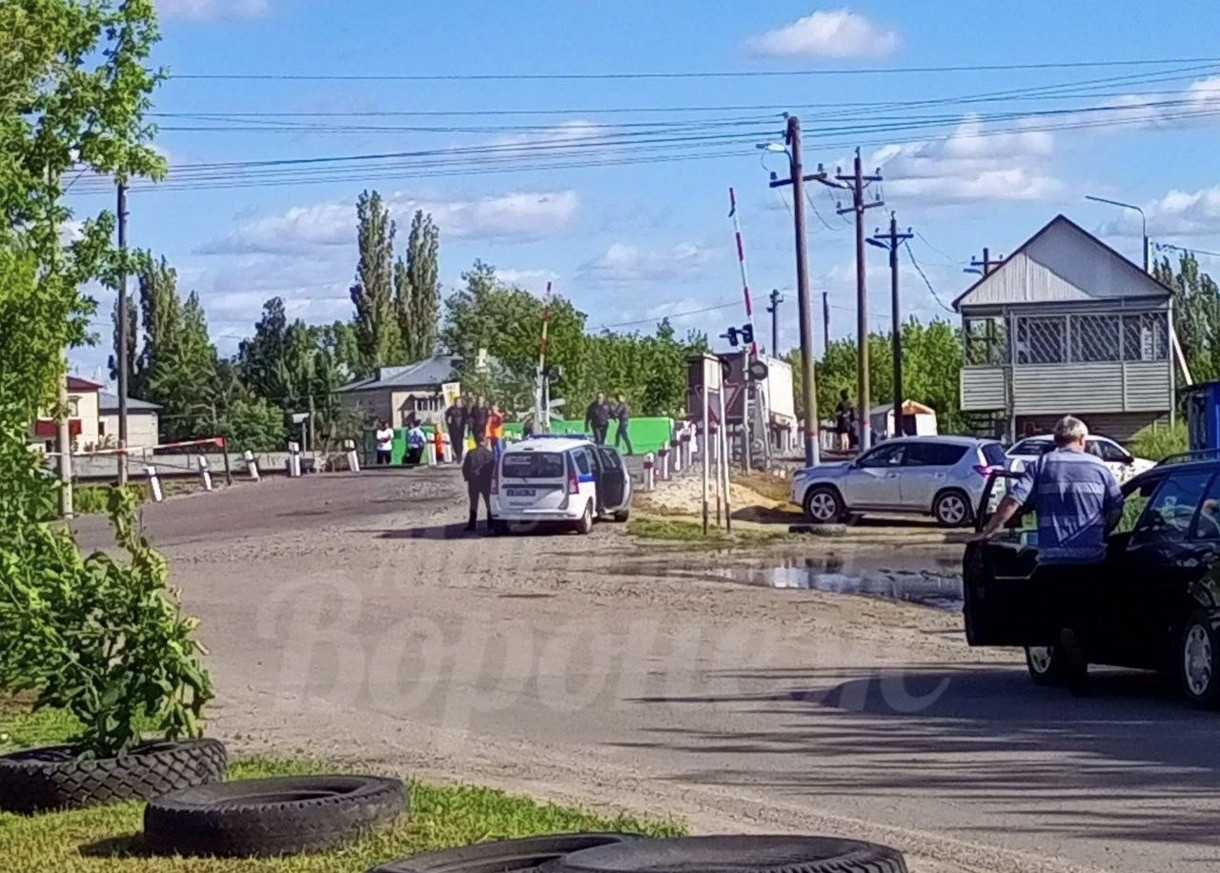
{"points": [[553, 478]]}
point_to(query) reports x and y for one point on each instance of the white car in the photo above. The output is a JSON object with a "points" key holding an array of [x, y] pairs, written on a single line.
{"points": [[1121, 462], [559, 479]]}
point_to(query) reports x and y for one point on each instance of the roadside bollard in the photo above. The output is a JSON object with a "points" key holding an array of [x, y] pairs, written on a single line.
{"points": [[294, 460], [664, 453], [687, 446], [648, 472], [353, 460], [205, 473], [430, 454], [675, 454], [154, 485], [251, 465]]}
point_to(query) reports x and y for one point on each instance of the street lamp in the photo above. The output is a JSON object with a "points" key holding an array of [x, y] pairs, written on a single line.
{"points": [[1143, 219]]}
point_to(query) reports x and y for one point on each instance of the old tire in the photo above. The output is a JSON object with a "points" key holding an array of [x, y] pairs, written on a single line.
{"points": [[951, 508], [50, 778], [269, 817], [585, 525], [736, 854], [823, 505], [1050, 666], [1198, 663], [503, 856]]}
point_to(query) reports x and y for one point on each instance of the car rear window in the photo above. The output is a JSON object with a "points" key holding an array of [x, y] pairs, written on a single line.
{"points": [[532, 465], [934, 454], [994, 454]]}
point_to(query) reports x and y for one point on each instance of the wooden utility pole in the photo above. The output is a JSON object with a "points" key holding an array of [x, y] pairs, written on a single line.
{"points": [[776, 299], [123, 339], [891, 241], [987, 264], [825, 321], [856, 182], [797, 180]]}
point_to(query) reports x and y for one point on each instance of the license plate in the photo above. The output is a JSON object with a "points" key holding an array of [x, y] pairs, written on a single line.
{"points": [[520, 492]]}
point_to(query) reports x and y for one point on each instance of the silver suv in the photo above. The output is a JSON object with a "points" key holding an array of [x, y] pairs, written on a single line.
{"points": [[941, 476]]}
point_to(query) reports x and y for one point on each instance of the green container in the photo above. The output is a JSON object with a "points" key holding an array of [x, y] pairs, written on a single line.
{"points": [[647, 434]]}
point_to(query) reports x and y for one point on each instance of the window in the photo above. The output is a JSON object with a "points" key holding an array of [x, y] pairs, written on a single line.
{"points": [[933, 455], [1168, 515], [1134, 504], [986, 341], [885, 456], [1109, 452], [1095, 338], [1145, 337], [532, 465], [1041, 340], [993, 454], [1207, 525], [582, 462], [1035, 448], [73, 408]]}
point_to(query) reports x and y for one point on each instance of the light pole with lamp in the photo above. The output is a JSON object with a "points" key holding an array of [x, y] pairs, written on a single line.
{"points": [[1132, 206]]}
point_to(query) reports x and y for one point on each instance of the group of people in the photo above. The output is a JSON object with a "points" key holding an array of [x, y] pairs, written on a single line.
{"points": [[599, 415], [416, 441], [482, 422]]}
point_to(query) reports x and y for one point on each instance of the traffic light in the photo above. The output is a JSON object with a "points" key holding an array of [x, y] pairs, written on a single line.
{"points": [[747, 335], [731, 336]]}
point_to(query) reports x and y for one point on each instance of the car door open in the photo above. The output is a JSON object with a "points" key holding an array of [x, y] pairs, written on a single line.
{"points": [[613, 484]]}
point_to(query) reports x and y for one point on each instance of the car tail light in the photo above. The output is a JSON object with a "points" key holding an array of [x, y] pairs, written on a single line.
{"points": [[573, 483], [983, 469]]}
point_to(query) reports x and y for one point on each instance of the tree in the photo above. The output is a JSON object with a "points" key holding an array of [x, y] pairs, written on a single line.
{"points": [[160, 313], [417, 289], [133, 328], [261, 358], [1196, 315], [377, 330]]}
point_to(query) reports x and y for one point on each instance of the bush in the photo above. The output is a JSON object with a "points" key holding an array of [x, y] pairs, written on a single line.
{"points": [[95, 499], [1159, 440]]}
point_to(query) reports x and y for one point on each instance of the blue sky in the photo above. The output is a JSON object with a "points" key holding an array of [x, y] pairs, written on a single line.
{"points": [[571, 179]]}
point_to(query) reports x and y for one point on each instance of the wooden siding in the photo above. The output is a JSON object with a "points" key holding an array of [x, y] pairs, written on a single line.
{"points": [[1063, 264], [1121, 426], [1148, 386], [984, 389]]}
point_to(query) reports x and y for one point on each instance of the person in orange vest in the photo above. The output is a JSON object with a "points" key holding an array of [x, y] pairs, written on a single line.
{"points": [[495, 429], [438, 443]]}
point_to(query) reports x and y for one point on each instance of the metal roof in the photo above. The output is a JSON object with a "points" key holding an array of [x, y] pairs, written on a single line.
{"points": [[107, 402], [430, 372]]}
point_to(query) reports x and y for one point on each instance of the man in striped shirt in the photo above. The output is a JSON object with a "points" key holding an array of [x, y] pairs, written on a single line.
{"points": [[1077, 502]]}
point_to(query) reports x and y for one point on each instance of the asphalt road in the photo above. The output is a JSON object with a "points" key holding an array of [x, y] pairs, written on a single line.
{"points": [[346, 617]]}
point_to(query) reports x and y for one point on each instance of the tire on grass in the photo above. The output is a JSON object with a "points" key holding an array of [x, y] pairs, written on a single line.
{"points": [[268, 817], [51, 778], [503, 856], [736, 854]]}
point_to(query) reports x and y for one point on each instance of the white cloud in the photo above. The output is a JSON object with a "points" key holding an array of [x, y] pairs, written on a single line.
{"points": [[971, 164], [838, 33], [527, 278], [1176, 214], [523, 215], [569, 133], [211, 10], [628, 264]]}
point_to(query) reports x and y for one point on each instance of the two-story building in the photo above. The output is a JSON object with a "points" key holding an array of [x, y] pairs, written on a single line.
{"points": [[396, 394], [1067, 325]]}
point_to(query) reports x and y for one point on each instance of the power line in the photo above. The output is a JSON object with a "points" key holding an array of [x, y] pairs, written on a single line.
{"points": [[660, 318], [699, 74], [910, 254]]}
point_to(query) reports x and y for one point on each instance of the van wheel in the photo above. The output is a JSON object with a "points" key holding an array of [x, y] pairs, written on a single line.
{"points": [[1049, 666], [823, 505], [952, 509], [585, 525], [1197, 665]]}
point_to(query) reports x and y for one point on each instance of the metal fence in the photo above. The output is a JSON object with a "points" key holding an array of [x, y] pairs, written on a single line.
{"points": [[1064, 339]]}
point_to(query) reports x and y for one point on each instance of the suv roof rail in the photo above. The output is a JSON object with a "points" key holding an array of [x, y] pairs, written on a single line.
{"points": [[1187, 457]]}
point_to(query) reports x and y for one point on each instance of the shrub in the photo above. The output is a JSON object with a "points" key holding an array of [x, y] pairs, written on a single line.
{"points": [[95, 499], [1157, 441]]}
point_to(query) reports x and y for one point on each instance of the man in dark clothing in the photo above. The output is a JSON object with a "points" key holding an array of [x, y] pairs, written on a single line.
{"points": [[845, 421], [622, 415], [478, 469], [597, 419], [455, 423], [479, 414]]}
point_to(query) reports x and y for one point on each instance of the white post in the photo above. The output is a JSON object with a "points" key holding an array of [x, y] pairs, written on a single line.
{"points": [[724, 461], [154, 484], [675, 448], [430, 453], [649, 477], [205, 473], [294, 459], [685, 445], [706, 455], [664, 453], [251, 465], [353, 460]]}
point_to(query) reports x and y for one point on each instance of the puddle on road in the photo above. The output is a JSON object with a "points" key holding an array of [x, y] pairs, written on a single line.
{"points": [[939, 588]]}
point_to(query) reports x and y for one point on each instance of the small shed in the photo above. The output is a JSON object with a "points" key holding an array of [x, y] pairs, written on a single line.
{"points": [[917, 419]]}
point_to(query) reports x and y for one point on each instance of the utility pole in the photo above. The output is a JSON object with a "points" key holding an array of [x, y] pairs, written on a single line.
{"points": [[124, 339], [985, 266], [776, 299], [825, 321], [792, 137], [856, 182], [891, 241]]}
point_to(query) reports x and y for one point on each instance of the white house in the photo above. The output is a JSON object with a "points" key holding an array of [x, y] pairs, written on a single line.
{"points": [[143, 421], [1066, 325]]}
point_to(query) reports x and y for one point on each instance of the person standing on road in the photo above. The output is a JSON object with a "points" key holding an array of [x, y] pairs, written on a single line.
{"points": [[385, 443], [456, 422], [478, 469], [416, 440], [479, 414], [1077, 502], [597, 419], [845, 421], [495, 429], [622, 415]]}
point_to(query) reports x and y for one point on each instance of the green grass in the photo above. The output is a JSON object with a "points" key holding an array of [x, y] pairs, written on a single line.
{"points": [[679, 531], [92, 499], [107, 839]]}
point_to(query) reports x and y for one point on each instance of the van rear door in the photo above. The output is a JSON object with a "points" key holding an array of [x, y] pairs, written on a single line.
{"points": [[613, 485], [533, 481]]}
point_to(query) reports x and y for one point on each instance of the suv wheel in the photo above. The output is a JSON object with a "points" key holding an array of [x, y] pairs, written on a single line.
{"points": [[823, 505], [585, 525], [1049, 665], [952, 509], [1197, 662]]}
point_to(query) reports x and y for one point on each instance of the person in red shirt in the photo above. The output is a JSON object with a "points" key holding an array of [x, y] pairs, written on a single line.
{"points": [[495, 429]]}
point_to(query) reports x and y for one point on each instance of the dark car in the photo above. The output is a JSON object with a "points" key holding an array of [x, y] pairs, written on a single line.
{"points": [[1155, 599]]}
